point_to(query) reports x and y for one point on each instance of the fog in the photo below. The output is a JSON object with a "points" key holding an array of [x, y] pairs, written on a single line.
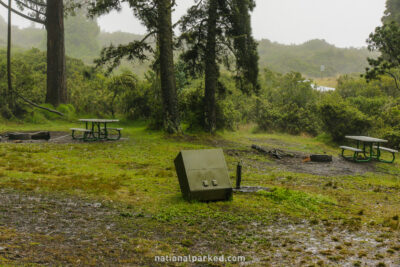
{"points": [[344, 23]]}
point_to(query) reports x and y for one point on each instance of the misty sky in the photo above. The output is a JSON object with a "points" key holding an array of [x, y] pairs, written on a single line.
{"points": [[341, 22]]}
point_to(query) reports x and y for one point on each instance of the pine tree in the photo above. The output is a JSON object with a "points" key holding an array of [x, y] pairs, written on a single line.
{"points": [[214, 31], [156, 16]]}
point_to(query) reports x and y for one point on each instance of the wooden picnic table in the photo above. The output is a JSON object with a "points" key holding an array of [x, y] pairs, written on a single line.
{"points": [[365, 145], [96, 129]]}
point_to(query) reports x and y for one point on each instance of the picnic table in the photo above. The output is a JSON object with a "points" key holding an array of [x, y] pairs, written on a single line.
{"points": [[96, 129], [369, 147]]}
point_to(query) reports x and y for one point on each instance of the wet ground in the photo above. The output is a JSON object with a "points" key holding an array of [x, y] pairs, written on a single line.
{"points": [[57, 229], [54, 229], [297, 163]]}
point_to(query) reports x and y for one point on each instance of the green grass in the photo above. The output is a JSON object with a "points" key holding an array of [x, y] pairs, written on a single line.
{"points": [[139, 174]]}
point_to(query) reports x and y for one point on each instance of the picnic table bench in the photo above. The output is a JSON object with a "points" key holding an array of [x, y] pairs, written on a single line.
{"points": [[365, 146], [96, 129]]}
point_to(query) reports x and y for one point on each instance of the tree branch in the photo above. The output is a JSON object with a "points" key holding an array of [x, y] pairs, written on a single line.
{"points": [[38, 3], [394, 78], [38, 106], [23, 15], [31, 8]]}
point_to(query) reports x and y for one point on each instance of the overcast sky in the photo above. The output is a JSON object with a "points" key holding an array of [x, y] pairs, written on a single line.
{"points": [[344, 23]]}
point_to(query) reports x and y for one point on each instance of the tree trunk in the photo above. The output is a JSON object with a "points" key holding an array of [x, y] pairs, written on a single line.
{"points": [[9, 91], [56, 74], [211, 69], [167, 73]]}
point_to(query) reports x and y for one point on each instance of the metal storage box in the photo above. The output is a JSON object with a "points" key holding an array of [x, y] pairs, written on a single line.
{"points": [[203, 175]]}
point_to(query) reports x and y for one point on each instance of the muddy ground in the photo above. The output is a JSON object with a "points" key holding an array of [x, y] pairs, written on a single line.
{"points": [[57, 229], [53, 229], [296, 163]]}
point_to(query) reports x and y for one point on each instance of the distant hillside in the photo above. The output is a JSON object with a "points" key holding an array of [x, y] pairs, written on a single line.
{"points": [[84, 41], [307, 58]]}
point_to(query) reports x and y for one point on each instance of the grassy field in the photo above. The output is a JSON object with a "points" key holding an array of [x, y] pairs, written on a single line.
{"points": [[119, 202]]}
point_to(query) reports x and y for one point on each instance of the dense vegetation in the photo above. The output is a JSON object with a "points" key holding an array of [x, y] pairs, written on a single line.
{"points": [[286, 102]]}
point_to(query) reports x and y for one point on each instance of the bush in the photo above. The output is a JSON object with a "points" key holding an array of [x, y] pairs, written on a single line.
{"points": [[393, 137], [191, 107], [340, 118], [290, 119], [268, 116], [68, 111], [228, 117]]}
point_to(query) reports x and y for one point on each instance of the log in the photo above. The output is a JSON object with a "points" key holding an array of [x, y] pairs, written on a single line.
{"points": [[41, 136], [19, 136], [277, 153]]}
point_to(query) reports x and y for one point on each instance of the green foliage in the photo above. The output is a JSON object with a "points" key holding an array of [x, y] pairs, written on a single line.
{"points": [[289, 119], [393, 137], [392, 12], [353, 86], [341, 118], [68, 110], [191, 106], [233, 107], [386, 40], [287, 104]]}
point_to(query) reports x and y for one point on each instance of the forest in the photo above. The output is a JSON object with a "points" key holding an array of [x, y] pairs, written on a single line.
{"points": [[203, 82]]}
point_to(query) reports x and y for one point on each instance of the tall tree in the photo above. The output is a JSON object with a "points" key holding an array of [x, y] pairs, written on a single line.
{"points": [[156, 16], [214, 31], [392, 12], [211, 67], [56, 72], [51, 15], [166, 61], [245, 47]]}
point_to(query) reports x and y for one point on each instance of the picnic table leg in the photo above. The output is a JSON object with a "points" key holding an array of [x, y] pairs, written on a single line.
{"points": [[382, 160], [98, 124], [92, 133], [388, 161], [105, 131], [354, 157], [371, 151], [364, 150], [378, 151]]}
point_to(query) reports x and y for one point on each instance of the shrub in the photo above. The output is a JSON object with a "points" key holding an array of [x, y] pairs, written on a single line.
{"points": [[191, 107], [393, 137], [290, 118], [228, 117], [268, 116], [340, 119]]}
